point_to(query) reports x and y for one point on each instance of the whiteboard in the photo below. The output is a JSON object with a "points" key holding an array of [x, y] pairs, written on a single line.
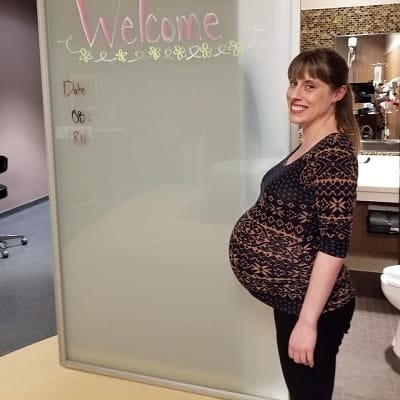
{"points": [[161, 118]]}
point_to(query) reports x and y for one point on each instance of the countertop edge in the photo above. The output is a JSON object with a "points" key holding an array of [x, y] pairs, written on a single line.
{"points": [[378, 195]]}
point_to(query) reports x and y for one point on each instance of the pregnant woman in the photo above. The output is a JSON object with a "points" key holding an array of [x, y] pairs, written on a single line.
{"points": [[288, 249]]}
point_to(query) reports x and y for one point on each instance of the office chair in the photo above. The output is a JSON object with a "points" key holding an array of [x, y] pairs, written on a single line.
{"points": [[3, 194]]}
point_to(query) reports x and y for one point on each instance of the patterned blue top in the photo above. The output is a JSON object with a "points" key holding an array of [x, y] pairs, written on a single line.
{"points": [[304, 207]]}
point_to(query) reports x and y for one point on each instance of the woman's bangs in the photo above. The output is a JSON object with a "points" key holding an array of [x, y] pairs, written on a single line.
{"points": [[314, 68]]}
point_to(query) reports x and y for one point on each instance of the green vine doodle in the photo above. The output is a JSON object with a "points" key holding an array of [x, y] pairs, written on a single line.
{"points": [[177, 53]]}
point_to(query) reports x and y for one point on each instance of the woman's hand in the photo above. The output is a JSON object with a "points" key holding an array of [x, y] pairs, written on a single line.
{"points": [[302, 343], [304, 335]]}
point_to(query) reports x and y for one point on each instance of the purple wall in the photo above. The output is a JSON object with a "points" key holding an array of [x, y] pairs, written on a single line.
{"points": [[22, 137]]}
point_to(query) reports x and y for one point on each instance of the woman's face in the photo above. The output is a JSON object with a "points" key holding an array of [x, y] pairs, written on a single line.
{"points": [[310, 101]]}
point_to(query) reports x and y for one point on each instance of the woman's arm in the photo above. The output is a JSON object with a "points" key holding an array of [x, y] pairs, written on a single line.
{"points": [[304, 335], [332, 177]]}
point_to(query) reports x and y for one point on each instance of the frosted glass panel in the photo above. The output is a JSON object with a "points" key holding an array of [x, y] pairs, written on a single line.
{"points": [[163, 116]]}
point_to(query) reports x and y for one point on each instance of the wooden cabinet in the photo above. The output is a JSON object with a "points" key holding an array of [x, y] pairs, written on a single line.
{"points": [[371, 251]]}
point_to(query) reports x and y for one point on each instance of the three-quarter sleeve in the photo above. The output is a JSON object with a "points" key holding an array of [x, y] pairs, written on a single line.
{"points": [[334, 183]]}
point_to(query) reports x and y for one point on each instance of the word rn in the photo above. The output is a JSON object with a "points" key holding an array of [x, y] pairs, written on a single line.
{"points": [[80, 138], [149, 28]]}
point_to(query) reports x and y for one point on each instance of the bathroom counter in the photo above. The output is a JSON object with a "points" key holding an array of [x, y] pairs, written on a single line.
{"points": [[378, 178]]}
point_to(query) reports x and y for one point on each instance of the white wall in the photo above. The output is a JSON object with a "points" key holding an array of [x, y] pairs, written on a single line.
{"points": [[311, 4], [22, 137]]}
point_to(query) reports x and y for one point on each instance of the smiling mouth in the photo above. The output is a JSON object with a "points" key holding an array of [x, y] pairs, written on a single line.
{"points": [[295, 108]]}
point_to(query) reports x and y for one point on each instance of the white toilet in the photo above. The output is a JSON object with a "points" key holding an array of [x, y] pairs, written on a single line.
{"points": [[390, 283]]}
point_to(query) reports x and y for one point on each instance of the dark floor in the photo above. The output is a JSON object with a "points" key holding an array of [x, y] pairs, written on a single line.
{"points": [[27, 312], [367, 367]]}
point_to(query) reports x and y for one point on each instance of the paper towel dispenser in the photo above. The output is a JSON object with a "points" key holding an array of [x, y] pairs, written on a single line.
{"points": [[382, 219]]}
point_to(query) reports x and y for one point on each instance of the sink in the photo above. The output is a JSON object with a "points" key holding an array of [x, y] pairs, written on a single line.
{"points": [[380, 146], [378, 177]]}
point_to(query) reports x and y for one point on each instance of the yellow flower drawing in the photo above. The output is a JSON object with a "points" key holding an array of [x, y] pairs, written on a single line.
{"points": [[205, 50], [155, 52], [121, 55], [235, 48], [180, 52], [85, 55]]}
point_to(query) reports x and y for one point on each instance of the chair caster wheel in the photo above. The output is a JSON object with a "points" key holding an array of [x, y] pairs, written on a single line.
{"points": [[24, 241], [4, 254]]}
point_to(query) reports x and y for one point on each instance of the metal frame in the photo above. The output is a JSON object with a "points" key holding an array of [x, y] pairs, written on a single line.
{"points": [[43, 49]]}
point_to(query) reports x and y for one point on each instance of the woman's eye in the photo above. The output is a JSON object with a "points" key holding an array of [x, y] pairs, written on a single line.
{"points": [[292, 82]]}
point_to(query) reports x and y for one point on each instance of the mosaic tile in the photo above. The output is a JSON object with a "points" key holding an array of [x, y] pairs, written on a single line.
{"points": [[320, 26]]}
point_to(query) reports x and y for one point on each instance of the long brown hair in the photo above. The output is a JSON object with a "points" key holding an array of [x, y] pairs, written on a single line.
{"points": [[330, 67]]}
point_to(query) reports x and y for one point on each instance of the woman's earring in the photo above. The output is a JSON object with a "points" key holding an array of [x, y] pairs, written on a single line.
{"points": [[300, 134]]}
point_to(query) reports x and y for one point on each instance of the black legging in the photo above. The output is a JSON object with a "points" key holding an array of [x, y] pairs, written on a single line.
{"points": [[303, 382]]}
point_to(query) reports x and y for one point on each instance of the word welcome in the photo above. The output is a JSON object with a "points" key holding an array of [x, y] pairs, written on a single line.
{"points": [[148, 28]]}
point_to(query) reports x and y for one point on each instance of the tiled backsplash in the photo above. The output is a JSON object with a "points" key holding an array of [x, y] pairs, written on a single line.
{"points": [[319, 27]]}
